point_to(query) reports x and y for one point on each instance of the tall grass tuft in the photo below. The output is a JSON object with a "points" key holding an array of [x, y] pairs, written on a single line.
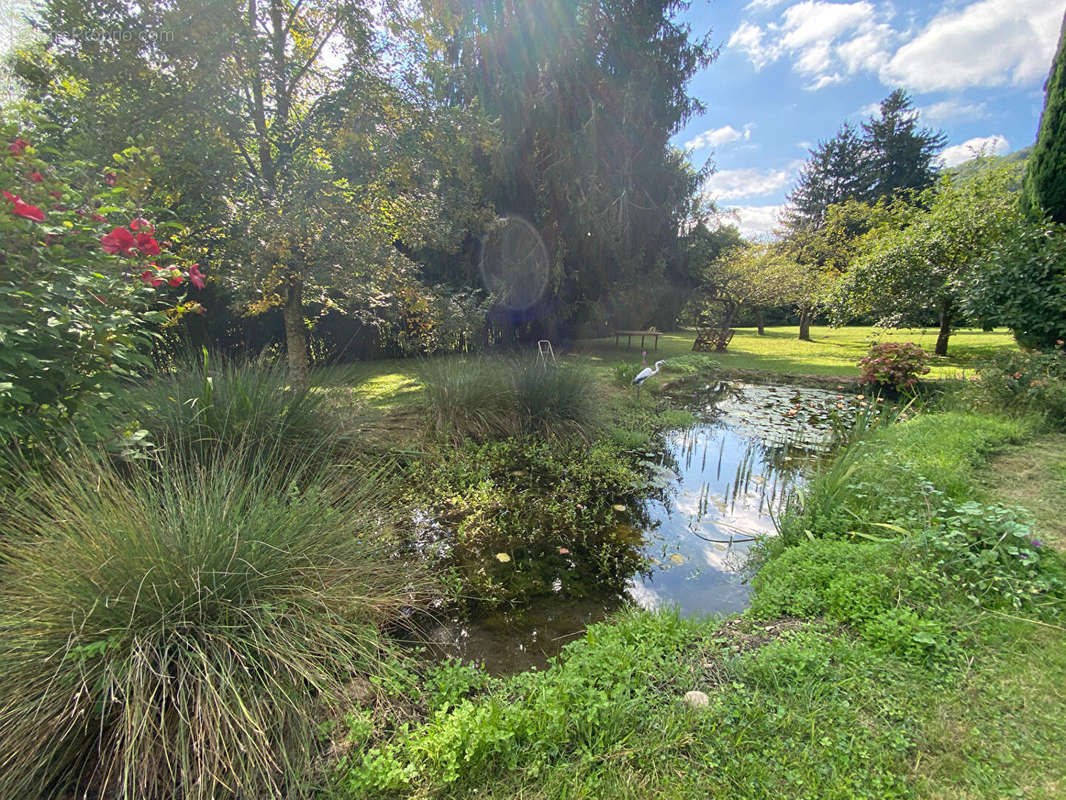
{"points": [[213, 403], [177, 631], [469, 397], [496, 397], [554, 400]]}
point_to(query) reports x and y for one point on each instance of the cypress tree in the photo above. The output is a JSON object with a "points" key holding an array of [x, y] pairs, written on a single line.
{"points": [[1044, 190]]}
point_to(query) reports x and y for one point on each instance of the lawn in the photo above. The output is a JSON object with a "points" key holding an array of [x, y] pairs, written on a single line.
{"points": [[831, 351], [391, 384]]}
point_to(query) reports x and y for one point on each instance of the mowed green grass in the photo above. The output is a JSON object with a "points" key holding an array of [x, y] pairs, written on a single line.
{"points": [[394, 383], [831, 351]]}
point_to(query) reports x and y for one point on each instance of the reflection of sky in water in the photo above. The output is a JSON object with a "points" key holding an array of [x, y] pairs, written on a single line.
{"points": [[730, 486]]}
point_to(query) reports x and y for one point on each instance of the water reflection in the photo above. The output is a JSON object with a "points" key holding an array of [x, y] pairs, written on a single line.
{"points": [[719, 485], [735, 470]]}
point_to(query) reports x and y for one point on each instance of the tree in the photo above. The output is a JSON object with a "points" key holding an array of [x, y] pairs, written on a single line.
{"points": [[304, 140], [835, 172], [749, 275], [907, 273], [588, 94], [1044, 190], [1021, 283], [900, 156]]}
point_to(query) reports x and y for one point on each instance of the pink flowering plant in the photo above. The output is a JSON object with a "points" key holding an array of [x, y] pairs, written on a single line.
{"points": [[86, 281], [894, 365], [1025, 380]]}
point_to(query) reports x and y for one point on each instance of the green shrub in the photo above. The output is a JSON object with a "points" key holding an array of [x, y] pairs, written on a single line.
{"points": [[468, 397], [902, 632], [989, 554], [900, 475], [493, 398], [201, 407], [1014, 381], [554, 400], [555, 511], [178, 631], [895, 365], [875, 588], [78, 307]]}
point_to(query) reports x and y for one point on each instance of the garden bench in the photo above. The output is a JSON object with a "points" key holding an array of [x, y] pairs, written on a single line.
{"points": [[712, 340], [641, 334]]}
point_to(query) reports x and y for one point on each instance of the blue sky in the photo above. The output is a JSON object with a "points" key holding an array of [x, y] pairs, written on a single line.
{"points": [[791, 72]]}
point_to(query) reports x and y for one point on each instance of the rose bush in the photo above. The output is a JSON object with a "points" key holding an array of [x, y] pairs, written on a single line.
{"points": [[79, 297], [895, 365]]}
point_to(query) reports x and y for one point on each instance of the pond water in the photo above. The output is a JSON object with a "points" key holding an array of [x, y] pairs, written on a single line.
{"points": [[719, 486]]}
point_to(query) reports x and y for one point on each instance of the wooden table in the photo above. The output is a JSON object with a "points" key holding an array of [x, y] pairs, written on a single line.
{"points": [[641, 334]]}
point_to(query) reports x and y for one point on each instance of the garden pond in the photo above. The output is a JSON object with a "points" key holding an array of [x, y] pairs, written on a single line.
{"points": [[717, 487]]}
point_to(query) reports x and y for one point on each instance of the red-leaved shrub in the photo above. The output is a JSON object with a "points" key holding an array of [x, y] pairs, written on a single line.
{"points": [[894, 364]]}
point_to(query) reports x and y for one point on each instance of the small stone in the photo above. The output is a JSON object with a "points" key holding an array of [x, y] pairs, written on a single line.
{"points": [[696, 699]]}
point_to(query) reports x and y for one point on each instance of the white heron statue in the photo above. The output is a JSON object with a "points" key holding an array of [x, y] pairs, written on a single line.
{"points": [[646, 373]]}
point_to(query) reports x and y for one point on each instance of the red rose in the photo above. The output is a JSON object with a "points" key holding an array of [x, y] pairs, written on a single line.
{"points": [[141, 222], [119, 242], [196, 278], [110, 178], [150, 278], [147, 245], [18, 147], [36, 177]]}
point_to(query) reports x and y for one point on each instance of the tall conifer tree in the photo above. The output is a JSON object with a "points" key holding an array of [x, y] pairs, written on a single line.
{"points": [[1044, 190]]}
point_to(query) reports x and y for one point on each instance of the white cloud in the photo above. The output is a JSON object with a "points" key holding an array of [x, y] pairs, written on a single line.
{"points": [[869, 110], [719, 136], [972, 148], [749, 38], [826, 41], [732, 184], [757, 222], [987, 43], [953, 110]]}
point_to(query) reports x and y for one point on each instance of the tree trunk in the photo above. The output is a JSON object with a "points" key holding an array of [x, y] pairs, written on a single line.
{"points": [[296, 336], [805, 325], [760, 322], [945, 330]]}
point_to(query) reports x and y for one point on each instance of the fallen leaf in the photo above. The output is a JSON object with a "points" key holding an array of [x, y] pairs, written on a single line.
{"points": [[503, 558]]}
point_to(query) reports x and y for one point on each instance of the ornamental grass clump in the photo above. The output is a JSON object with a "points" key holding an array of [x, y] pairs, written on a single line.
{"points": [[180, 631], [490, 398], [204, 405]]}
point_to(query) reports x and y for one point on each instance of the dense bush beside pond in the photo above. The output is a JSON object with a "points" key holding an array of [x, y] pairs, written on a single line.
{"points": [[527, 512], [1025, 382], [180, 631]]}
